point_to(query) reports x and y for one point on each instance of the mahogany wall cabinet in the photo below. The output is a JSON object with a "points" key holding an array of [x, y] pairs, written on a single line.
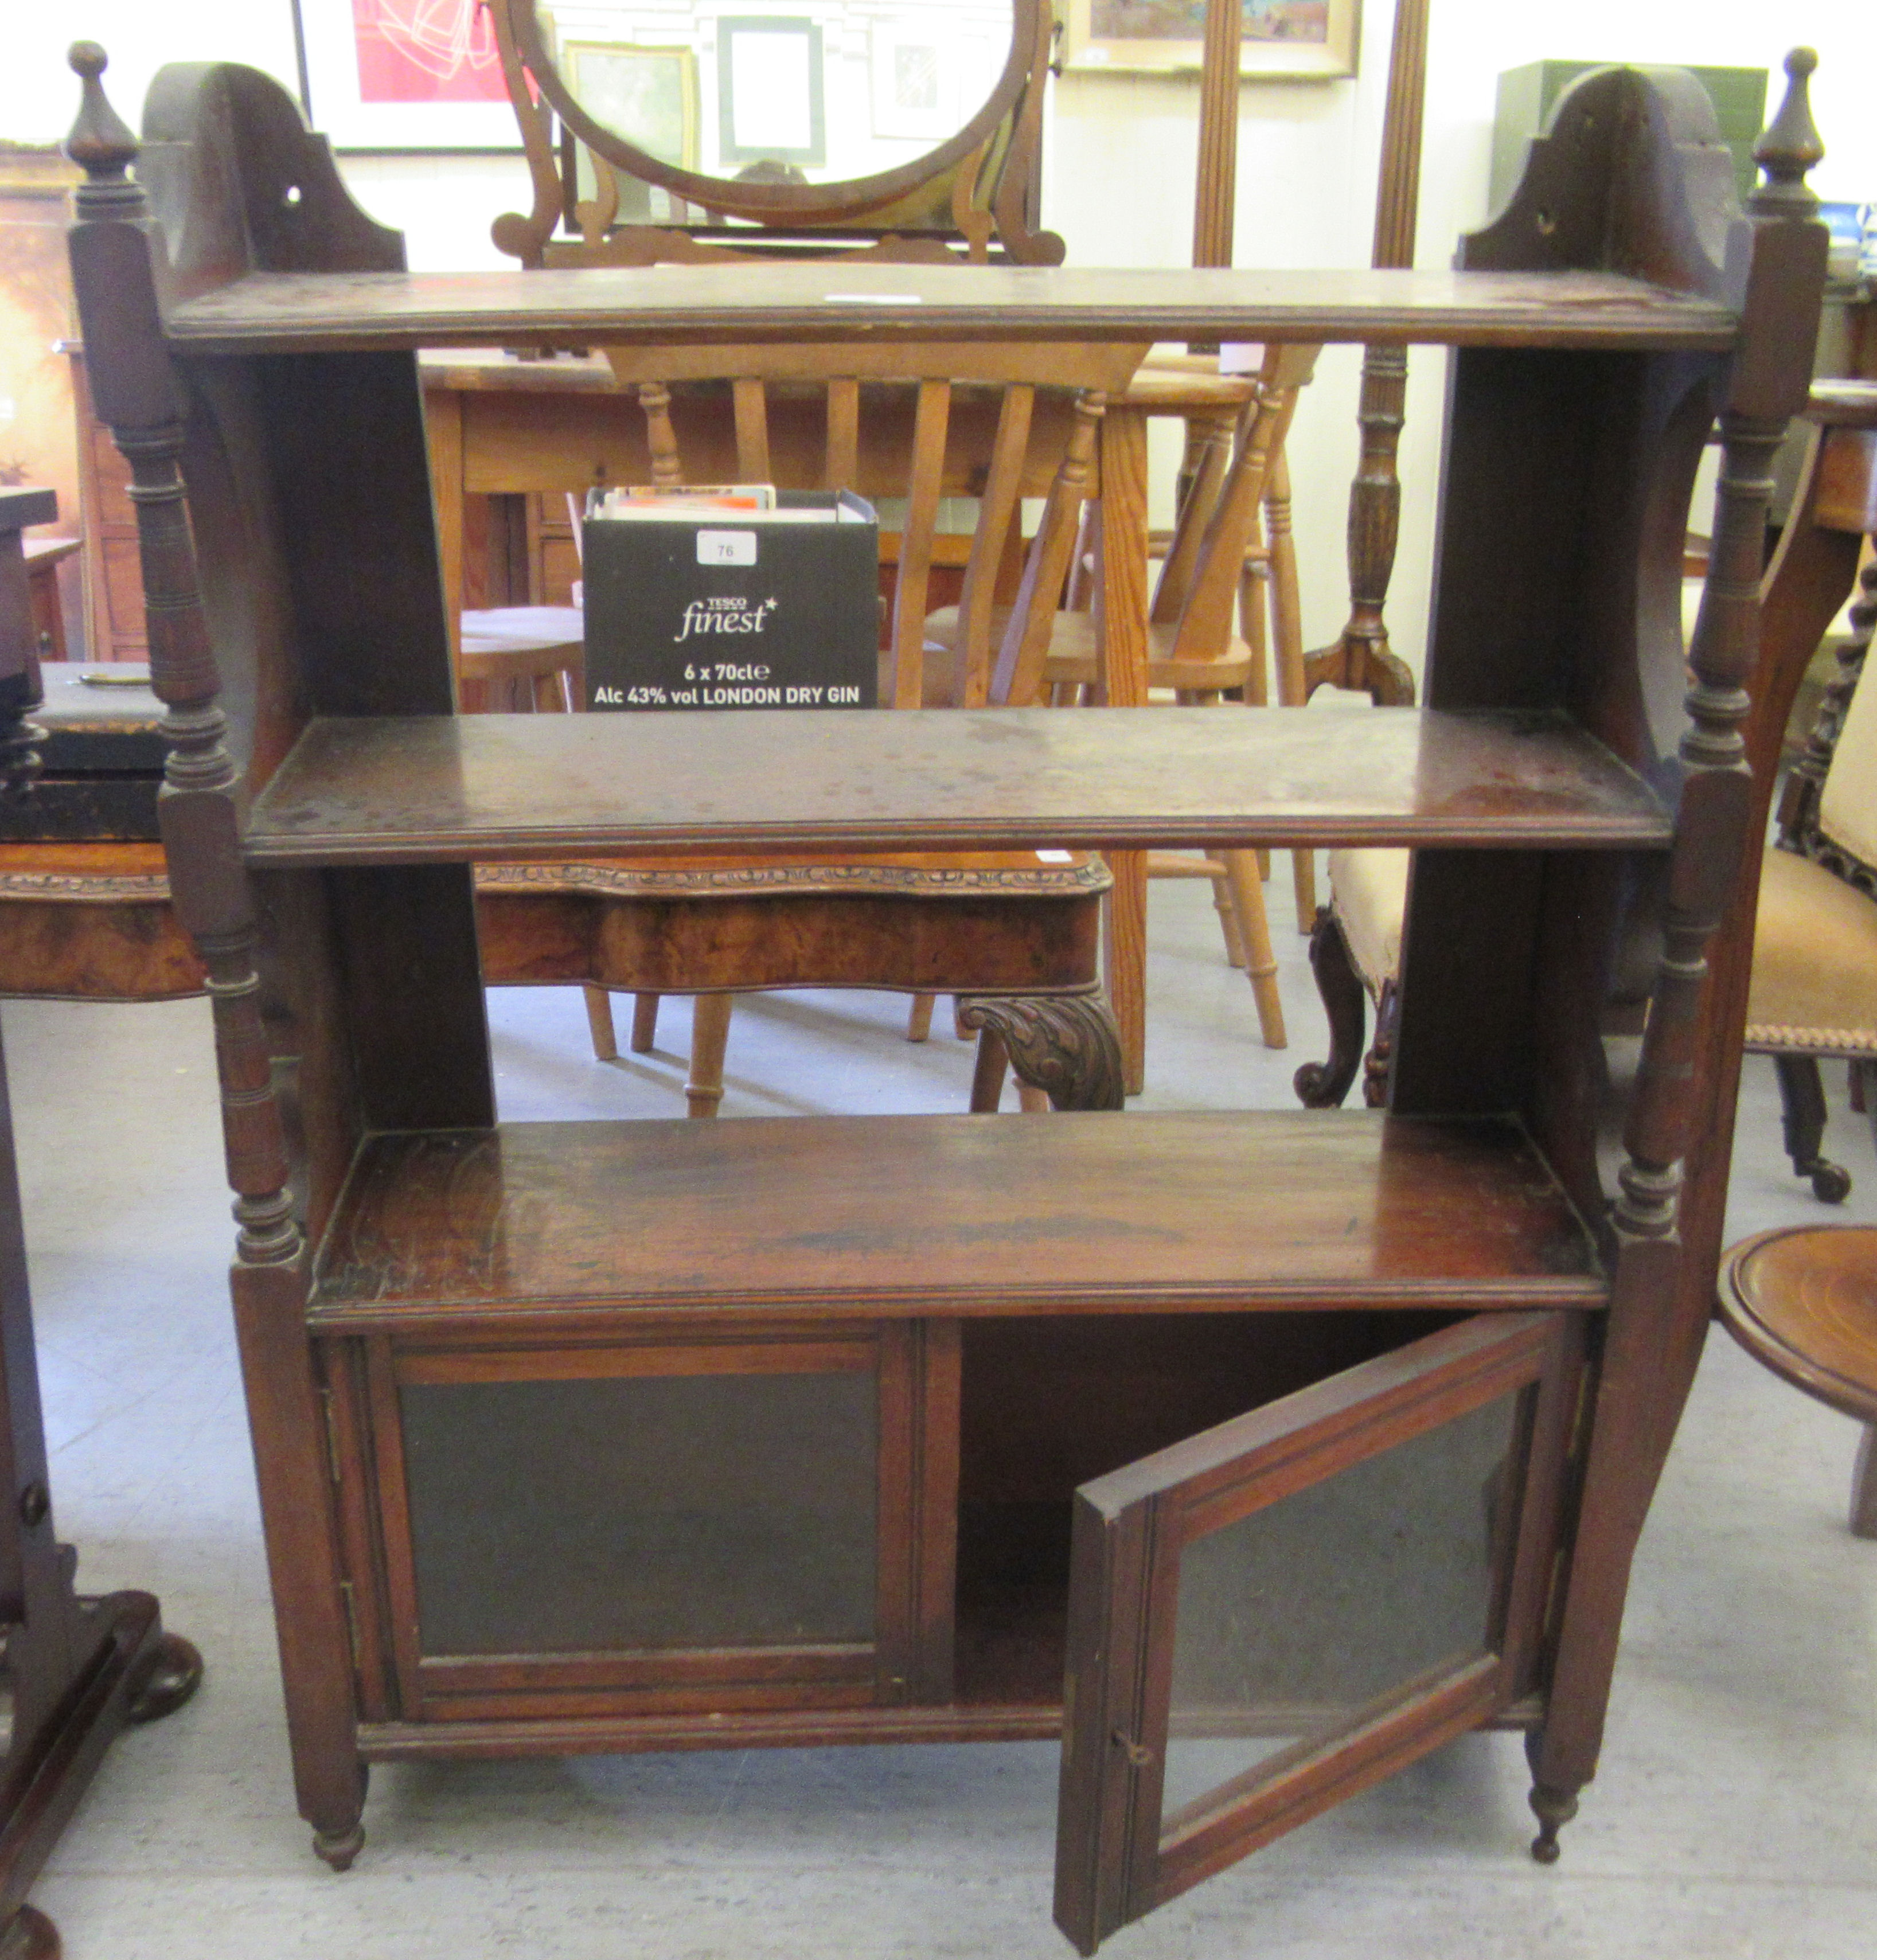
{"points": [[1254, 1453]]}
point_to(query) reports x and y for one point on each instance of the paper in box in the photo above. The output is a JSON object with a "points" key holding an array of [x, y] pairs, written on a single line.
{"points": [[732, 609]]}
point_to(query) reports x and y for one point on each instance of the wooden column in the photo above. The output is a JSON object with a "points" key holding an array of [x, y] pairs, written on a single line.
{"points": [[1362, 658], [139, 395]]}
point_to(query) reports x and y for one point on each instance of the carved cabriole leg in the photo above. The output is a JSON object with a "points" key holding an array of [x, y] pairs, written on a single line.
{"points": [[1323, 1085], [1065, 1044], [1802, 1118], [1632, 1414], [136, 393]]}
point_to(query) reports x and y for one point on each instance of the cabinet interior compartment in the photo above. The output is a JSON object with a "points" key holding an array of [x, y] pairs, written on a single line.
{"points": [[1049, 1404]]}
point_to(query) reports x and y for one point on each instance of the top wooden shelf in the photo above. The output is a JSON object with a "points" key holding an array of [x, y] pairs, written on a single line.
{"points": [[281, 312], [443, 788]]}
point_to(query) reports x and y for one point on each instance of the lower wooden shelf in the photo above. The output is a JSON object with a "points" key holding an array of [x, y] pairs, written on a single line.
{"points": [[948, 1215]]}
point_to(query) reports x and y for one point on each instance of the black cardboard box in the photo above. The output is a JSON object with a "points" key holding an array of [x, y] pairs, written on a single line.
{"points": [[726, 609]]}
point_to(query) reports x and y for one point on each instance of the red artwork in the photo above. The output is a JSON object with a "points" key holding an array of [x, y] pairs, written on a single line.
{"points": [[426, 51]]}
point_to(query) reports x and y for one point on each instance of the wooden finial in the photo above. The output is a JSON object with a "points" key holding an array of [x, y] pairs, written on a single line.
{"points": [[99, 144], [1790, 147]]}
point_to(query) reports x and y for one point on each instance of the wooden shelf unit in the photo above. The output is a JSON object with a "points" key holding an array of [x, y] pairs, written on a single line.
{"points": [[585, 1436]]}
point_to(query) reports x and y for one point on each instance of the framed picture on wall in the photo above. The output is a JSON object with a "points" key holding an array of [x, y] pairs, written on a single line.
{"points": [[649, 95], [1296, 40], [914, 72], [393, 75], [770, 91]]}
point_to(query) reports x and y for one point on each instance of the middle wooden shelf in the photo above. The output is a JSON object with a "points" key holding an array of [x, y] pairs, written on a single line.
{"points": [[546, 1224], [440, 788]]}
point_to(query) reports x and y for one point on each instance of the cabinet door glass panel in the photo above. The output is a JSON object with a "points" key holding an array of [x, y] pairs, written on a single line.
{"points": [[1267, 1617], [1294, 1621], [649, 1512]]}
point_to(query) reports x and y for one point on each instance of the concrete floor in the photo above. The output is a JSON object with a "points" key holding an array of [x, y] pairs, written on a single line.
{"points": [[1735, 1814]]}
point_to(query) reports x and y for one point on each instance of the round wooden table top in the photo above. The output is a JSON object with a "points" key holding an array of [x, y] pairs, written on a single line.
{"points": [[1804, 1301]]}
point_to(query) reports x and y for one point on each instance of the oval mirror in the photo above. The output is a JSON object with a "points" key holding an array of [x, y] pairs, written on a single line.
{"points": [[761, 108]]}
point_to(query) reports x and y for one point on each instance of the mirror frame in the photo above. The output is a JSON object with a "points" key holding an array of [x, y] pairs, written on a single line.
{"points": [[774, 203]]}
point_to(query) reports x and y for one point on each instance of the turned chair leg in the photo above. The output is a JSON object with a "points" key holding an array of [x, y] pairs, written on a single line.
{"points": [[919, 1017], [1802, 1115], [1260, 962], [600, 1024], [710, 1034], [645, 1022]]}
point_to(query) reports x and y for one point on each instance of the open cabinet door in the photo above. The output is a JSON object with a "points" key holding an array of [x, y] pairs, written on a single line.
{"points": [[1266, 1618]]}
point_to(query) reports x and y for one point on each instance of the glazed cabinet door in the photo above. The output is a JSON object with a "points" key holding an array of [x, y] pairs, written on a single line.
{"points": [[1267, 1617], [674, 1520]]}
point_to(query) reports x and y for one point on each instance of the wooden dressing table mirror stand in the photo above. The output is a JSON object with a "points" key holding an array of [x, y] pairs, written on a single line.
{"points": [[1254, 1453]]}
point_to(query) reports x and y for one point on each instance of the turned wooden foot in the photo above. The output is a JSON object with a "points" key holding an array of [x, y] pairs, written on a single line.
{"points": [[30, 1934], [1554, 1804], [1323, 1085], [1554, 1808], [338, 1848], [1802, 1115], [1065, 1045], [174, 1674]]}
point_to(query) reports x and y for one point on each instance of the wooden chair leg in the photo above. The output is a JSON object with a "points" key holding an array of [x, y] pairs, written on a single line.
{"points": [[1224, 905], [1864, 1486], [1378, 1065], [1287, 638], [987, 1075], [1803, 1113], [919, 1017], [600, 1024], [1323, 1085], [645, 1022], [1248, 895], [1032, 1101], [710, 1034]]}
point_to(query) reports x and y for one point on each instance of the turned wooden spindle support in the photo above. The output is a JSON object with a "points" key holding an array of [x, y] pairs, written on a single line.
{"points": [[1764, 389], [114, 276], [1361, 658]]}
